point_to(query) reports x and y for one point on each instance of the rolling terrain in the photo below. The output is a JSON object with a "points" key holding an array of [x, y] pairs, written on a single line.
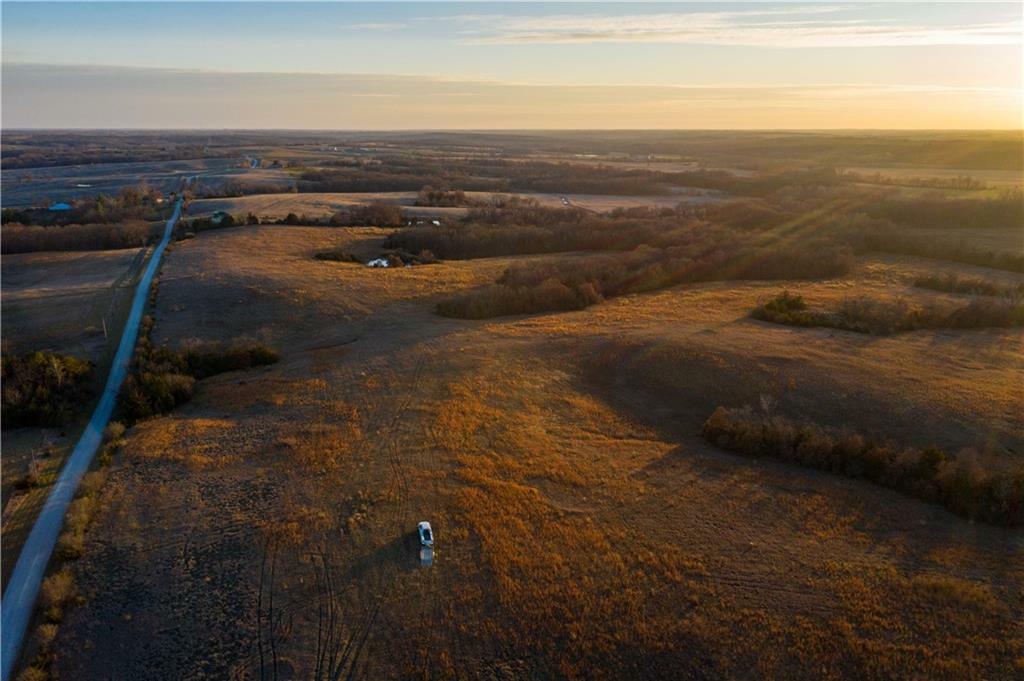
{"points": [[257, 519], [582, 523]]}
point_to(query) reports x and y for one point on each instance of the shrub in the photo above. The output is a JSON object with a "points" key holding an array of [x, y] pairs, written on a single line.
{"points": [[79, 517], [337, 255], [34, 674], [497, 300], [163, 379], [45, 633], [981, 313], [114, 431], [872, 315], [785, 308], [147, 394], [956, 283], [57, 590], [33, 476], [203, 360], [864, 314], [43, 388], [374, 214], [428, 196], [930, 473]]}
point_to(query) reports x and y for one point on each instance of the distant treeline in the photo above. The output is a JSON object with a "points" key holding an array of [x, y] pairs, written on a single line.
{"points": [[1004, 212], [71, 156], [29, 239], [236, 189], [131, 203], [965, 150], [535, 230], [962, 182], [549, 177], [370, 215], [701, 252], [866, 234], [532, 229]]}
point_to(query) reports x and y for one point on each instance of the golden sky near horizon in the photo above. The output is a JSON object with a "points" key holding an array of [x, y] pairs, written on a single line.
{"points": [[504, 65]]}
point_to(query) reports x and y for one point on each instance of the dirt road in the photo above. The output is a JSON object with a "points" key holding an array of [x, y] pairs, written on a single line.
{"points": [[20, 597]]}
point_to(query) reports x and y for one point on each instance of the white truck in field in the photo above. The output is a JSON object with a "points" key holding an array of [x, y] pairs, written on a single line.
{"points": [[426, 534]]}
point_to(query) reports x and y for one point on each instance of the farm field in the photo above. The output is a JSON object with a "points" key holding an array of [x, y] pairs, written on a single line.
{"points": [[57, 301], [582, 523]]}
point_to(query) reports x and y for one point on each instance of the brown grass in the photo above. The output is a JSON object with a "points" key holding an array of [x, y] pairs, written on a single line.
{"points": [[584, 529]]}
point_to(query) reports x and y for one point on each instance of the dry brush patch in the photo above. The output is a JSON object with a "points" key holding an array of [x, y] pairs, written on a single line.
{"points": [[574, 284], [962, 483], [957, 283], [865, 314]]}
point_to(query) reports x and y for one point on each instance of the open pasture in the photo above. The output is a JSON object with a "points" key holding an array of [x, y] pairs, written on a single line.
{"points": [[582, 523]]}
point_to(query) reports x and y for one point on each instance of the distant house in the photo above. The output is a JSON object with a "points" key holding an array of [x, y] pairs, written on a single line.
{"points": [[60, 206]]}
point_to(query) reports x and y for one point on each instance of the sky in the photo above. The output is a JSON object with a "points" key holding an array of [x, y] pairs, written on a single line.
{"points": [[436, 65]]}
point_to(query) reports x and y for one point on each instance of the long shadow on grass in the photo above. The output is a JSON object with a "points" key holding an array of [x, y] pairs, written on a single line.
{"points": [[402, 553]]}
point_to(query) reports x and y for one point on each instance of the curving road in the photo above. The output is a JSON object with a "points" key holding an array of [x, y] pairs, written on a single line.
{"points": [[20, 597]]}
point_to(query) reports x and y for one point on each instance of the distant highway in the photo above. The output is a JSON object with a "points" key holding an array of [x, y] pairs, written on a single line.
{"points": [[20, 597]]}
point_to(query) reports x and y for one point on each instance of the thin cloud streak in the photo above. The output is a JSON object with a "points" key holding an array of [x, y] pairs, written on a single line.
{"points": [[785, 28], [393, 26]]}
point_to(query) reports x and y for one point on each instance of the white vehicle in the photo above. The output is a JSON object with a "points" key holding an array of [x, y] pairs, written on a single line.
{"points": [[426, 534]]}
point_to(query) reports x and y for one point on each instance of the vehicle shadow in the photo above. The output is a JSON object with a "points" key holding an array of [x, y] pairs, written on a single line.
{"points": [[403, 553]]}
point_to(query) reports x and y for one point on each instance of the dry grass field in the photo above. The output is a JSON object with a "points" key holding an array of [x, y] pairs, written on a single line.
{"points": [[584, 528], [57, 301]]}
